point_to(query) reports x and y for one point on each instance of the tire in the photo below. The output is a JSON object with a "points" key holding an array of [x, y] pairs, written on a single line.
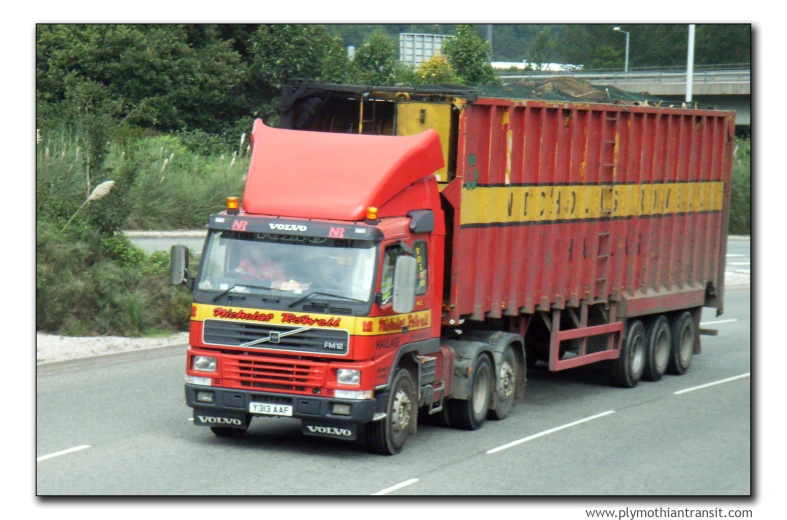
{"points": [[505, 385], [470, 414], [387, 436], [627, 370], [659, 347], [684, 334]]}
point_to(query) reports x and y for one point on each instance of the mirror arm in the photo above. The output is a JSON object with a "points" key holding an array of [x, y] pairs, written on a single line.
{"points": [[407, 248]]}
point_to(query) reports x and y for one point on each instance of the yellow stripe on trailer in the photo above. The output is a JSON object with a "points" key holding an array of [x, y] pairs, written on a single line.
{"points": [[523, 204]]}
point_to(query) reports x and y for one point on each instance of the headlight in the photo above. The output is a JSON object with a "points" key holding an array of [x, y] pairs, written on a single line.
{"points": [[348, 376], [204, 364]]}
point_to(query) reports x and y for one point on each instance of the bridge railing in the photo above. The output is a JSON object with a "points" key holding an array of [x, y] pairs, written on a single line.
{"points": [[639, 76]]}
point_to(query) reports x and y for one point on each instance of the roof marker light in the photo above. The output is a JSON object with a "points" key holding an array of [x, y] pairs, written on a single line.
{"points": [[232, 205], [371, 213]]}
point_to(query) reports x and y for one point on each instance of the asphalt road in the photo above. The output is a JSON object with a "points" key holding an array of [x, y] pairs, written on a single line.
{"points": [[130, 434]]}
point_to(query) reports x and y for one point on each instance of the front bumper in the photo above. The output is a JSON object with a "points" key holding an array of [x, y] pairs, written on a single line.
{"points": [[234, 403]]}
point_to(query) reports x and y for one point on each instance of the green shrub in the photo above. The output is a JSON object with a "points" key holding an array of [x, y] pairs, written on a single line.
{"points": [[119, 249], [740, 190], [87, 284]]}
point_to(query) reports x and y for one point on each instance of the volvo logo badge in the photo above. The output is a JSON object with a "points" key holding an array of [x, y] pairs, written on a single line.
{"points": [[274, 337]]}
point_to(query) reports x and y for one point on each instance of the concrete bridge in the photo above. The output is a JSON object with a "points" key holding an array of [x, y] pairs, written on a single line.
{"points": [[724, 89]]}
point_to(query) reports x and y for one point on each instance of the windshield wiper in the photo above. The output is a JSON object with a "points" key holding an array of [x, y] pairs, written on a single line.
{"points": [[329, 295], [243, 294]]}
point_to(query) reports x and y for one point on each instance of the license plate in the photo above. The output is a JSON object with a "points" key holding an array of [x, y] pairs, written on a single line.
{"points": [[271, 409]]}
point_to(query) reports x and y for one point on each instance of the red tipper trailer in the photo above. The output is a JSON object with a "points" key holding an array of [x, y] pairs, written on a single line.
{"points": [[432, 243]]}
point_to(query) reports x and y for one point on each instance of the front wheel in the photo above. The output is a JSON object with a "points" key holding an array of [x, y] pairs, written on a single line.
{"points": [[470, 414], [387, 436]]}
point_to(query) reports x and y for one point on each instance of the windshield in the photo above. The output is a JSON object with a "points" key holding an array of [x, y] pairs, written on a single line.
{"points": [[284, 265]]}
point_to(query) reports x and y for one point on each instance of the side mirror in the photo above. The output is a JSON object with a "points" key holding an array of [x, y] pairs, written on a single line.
{"points": [[404, 284], [179, 265]]}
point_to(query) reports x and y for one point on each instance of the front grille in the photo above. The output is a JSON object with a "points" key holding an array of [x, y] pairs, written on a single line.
{"points": [[312, 340], [275, 374]]}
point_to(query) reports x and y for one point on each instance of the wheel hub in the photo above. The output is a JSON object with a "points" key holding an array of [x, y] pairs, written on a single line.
{"points": [[401, 411], [507, 380]]}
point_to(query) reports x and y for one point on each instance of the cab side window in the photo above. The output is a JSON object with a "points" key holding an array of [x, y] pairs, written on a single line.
{"points": [[389, 264]]}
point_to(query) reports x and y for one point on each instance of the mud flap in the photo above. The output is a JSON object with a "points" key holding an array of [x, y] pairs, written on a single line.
{"points": [[217, 418], [345, 432]]}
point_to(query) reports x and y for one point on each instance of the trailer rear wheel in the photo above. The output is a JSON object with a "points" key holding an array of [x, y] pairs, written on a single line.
{"points": [[684, 334], [659, 345], [387, 436], [470, 414], [626, 370], [505, 385]]}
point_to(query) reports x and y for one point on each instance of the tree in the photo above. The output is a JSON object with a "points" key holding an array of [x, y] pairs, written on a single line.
{"points": [[436, 70], [660, 45], [542, 50], [281, 53], [149, 74], [467, 54], [723, 43], [375, 61], [335, 63]]}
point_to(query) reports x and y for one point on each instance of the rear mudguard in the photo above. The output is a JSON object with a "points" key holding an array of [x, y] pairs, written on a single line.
{"points": [[474, 343]]}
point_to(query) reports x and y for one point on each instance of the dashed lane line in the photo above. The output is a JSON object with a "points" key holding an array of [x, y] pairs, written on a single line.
{"points": [[547, 432], [400, 485], [717, 322], [64, 452], [747, 374]]}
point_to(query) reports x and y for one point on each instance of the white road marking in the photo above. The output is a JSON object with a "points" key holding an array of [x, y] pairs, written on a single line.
{"points": [[64, 452], [747, 374], [737, 255], [740, 263], [717, 322], [547, 432], [400, 485]]}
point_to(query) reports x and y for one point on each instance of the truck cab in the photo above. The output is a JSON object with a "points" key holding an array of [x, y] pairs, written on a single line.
{"points": [[325, 277]]}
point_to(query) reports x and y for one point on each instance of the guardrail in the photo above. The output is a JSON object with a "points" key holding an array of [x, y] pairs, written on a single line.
{"points": [[708, 77]]}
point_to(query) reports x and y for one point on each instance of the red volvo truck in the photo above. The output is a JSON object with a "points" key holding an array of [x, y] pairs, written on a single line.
{"points": [[418, 249]]}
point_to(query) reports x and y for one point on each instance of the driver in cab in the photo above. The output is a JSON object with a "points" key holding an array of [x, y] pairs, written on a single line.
{"points": [[259, 267]]}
